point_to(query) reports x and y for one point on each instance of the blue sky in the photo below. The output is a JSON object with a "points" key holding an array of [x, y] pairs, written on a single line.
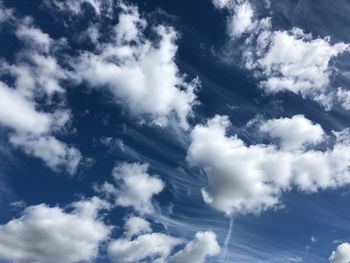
{"points": [[174, 131]]}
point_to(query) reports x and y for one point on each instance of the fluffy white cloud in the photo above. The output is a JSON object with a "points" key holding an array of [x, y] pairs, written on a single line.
{"points": [[20, 114], [241, 16], [155, 245], [295, 62], [140, 73], [294, 133], [242, 21], [341, 255], [250, 178], [134, 187], [196, 251], [54, 153], [130, 25], [284, 60], [37, 76], [135, 226], [32, 35], [50, 234], [141, 244]]}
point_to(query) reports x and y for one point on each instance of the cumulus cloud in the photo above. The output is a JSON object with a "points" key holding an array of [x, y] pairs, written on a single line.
{"points": [[139, 243], [242, 21], [341, 255], [250, 178], [135, 187], [196, 251], [135, 226], [53, 152], [155, 245], [139, 72], [50, 234], [294, 133], [295, 62], [20, 114], [241, 17], [36, 77], [144, 244], [285, 60]]}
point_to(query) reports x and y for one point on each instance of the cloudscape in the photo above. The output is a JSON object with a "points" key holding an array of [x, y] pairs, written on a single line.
{"points": [[212, 131]]}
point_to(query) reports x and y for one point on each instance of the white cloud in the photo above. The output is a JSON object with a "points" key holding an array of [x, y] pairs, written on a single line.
{"points": [[221, 3], [155, 245], [284, 60], [130, 25], [6, 14], [36, 72], [33, 36], [344, 98], [76, 6], [295, 62], [196, 251], [241, 18], [112, 143], [54, 153], [250, 178], [139, 72], [20, 114], [135, 226], [341, 255], [49, 234], [134, 187], [294, 133], [242, 21], [140, 243], [37, 76]]}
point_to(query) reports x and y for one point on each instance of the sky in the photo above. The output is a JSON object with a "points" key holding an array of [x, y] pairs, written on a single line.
{"points": [[174, 131]]}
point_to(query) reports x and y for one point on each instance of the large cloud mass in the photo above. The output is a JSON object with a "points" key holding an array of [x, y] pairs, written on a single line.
{"points": [[50, 234], [285, 60], [250, 178], [26, 108], [139, 72]]}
